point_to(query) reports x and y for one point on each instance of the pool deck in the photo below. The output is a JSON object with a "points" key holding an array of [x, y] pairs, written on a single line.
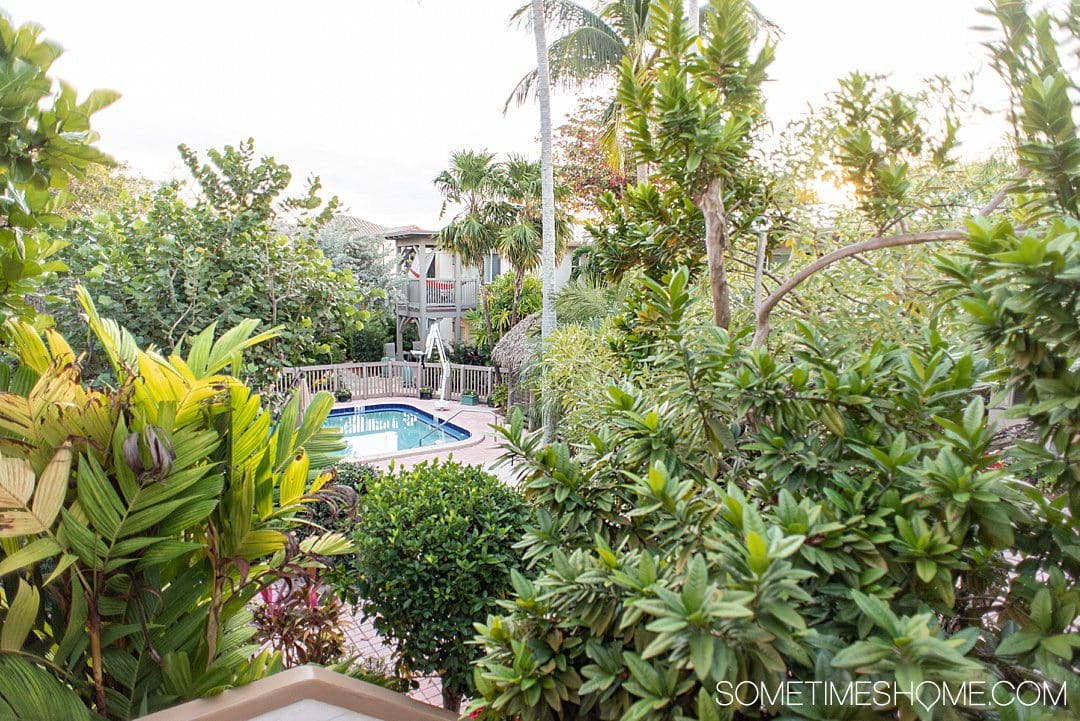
{"points": [[481, 448]]}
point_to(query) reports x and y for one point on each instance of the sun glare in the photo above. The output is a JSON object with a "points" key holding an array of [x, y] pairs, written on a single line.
{"points": [[832, 193]]}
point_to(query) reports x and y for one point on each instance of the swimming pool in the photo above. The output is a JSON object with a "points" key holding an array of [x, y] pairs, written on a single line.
{"points": [[383, 429]]}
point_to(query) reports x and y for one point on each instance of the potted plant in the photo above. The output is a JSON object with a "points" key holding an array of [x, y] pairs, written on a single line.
{"points": [[343, 395], [468, 398], [425, 394]]}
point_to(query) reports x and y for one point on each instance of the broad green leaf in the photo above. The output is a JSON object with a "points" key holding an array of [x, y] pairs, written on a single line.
{"points": [[33, 552], [861, 654], [20, 617]]}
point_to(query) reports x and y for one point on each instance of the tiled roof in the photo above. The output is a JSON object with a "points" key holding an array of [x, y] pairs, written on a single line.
{"points": [[406, 230], [364, 227]]}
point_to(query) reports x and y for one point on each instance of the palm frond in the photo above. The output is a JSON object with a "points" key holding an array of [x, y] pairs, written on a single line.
{"points": [[30, 692], [589, 48]]}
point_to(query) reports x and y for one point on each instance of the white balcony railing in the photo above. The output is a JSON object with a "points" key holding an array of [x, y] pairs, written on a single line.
{"points": [[441, 293]]}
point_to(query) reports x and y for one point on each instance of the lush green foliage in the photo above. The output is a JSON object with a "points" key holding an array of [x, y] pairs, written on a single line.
{"points": [[46, 142], [166, 273], [499, 212], [694, 116], [648, 228], [107, 189], [738, 517], [366, 345], [577, 366], [138, 521], [500, 301], [435, 553], [835, 512]]}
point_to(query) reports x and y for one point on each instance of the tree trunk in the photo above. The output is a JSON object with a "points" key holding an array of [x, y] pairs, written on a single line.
{"points": [[711, 203], [693, 13], [485, 309], [515, 309], [547, 175], [641, 170], [96, 658]]}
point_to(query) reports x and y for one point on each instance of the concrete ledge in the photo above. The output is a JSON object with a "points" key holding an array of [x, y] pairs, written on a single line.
{"points": [[304, 683]]}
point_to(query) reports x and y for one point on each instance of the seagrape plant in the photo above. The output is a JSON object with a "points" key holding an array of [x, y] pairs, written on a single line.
{"points": [[139, 518]]}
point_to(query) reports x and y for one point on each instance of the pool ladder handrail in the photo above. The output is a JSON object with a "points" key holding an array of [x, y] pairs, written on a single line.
{"points": [[457, 413]]}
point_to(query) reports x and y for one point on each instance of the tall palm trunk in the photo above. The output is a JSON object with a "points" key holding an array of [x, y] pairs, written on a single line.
{"points": [[694, 15], [547, 176]]}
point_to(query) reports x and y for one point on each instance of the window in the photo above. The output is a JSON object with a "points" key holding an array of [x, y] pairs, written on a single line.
{"points": [[492, 266]]}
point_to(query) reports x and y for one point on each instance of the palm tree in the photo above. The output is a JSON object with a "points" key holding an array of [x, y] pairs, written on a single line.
{"points": [[547, 202], [521, 224], [592, 48], [472, 181]]}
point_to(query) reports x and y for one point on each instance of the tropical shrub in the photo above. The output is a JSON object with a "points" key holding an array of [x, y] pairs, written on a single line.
{"points": [[138, 520], [366, 344], [577, 366], [831, 516], [644, 227], [836, 512], [435, 551], [301, 619], [356, 475], [47, 143], [500, 300], [468, 353], [242, 249]]}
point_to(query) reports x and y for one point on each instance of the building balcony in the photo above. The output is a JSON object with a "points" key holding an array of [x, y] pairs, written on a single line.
{"points": [[439, 296]]}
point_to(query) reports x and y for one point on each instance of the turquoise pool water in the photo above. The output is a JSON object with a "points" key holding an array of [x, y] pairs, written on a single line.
{"points": [[388, 428]]}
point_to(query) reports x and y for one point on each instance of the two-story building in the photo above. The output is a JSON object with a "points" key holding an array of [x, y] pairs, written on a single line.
{"points": [[438, 287]]}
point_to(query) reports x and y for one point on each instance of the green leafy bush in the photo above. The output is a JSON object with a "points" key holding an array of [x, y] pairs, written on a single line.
{"points": [[137, 522], [47, 144], [435, 552], [366, 345], [833, 516], [577, 367], [164, 266], [500, 295]]}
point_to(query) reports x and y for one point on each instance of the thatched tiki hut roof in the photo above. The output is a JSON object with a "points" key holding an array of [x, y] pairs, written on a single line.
{"points": [[519, 346], [514, 353]]}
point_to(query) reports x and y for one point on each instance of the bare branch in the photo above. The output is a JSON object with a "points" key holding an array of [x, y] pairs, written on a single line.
{"points": [[761, 333]]}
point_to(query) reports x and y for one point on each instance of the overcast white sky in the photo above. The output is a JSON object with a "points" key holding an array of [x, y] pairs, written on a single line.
{"points": [[374, 95]]}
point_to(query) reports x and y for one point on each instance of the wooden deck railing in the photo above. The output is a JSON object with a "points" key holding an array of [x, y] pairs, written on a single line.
{"points": [[387, 378], [441, 293]]}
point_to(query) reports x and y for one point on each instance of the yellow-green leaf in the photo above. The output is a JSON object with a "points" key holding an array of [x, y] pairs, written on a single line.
{"points": [[20, 617]]}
